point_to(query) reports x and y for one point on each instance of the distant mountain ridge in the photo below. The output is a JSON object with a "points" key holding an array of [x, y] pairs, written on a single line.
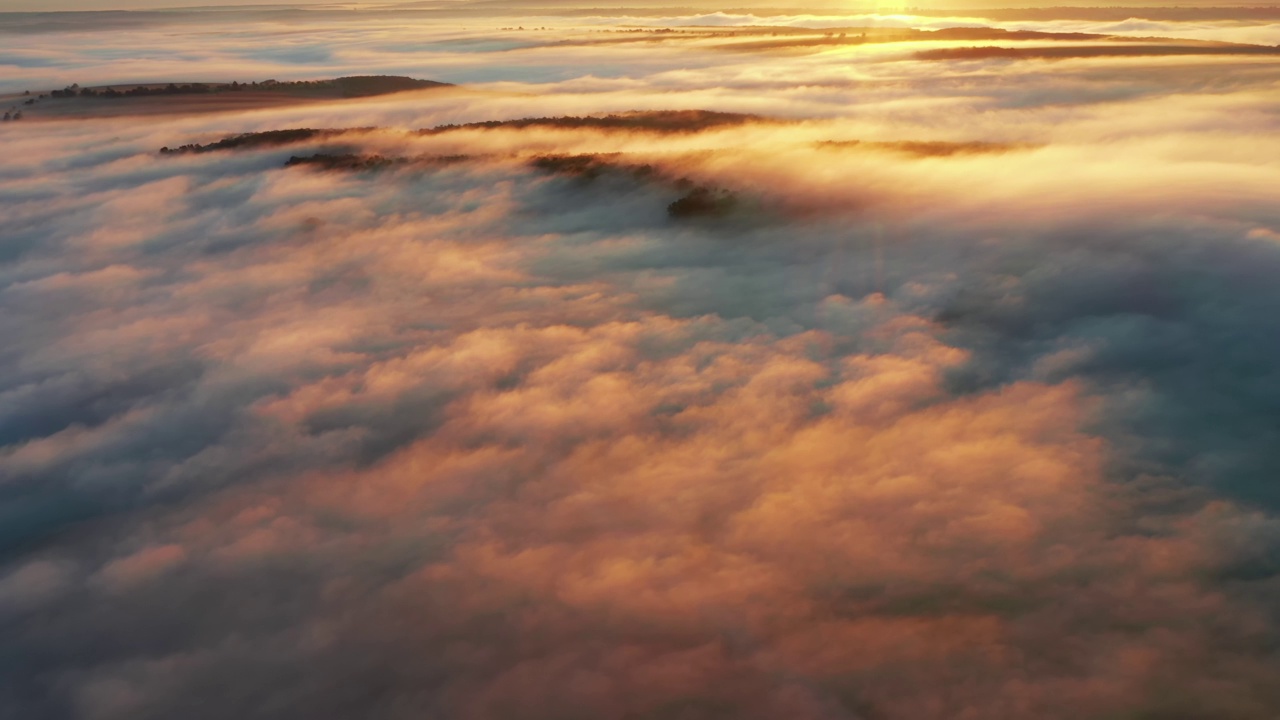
{"points": [[347, 87]]}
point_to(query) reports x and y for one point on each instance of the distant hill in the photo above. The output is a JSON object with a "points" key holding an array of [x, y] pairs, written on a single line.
{"points": [[121, 99], [366, 85], [663, 121], [346, 87]]}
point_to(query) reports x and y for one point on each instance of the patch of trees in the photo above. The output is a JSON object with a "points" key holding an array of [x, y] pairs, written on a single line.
{"points": [[72, 91], [358, 163], [590, 166], [586, 167], [246, 141], [986, 33], [703, 202], [350, 162], [368, 85], [928, 148], [354, 86], [697, 202], [667, 121]]}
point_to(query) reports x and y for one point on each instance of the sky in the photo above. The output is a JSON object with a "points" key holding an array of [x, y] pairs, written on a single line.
{"points": [[721, 367]]}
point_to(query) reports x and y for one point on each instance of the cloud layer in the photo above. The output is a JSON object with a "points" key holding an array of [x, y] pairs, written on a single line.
{"points": [[964, 407]]}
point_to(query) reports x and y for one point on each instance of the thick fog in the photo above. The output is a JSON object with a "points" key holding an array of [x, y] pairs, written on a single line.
{"points": [[950, 390]]}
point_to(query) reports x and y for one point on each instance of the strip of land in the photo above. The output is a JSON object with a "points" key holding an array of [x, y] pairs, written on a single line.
{"points": [[197, 97]]}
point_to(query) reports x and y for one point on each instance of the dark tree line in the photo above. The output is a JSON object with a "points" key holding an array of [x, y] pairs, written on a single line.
{"points": [[245, 141], [672, 121], [356, 86], [72, 91]]}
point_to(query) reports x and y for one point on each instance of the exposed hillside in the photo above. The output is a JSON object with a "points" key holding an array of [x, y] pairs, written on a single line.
{"points": [[195, 97], [664, 121]]}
